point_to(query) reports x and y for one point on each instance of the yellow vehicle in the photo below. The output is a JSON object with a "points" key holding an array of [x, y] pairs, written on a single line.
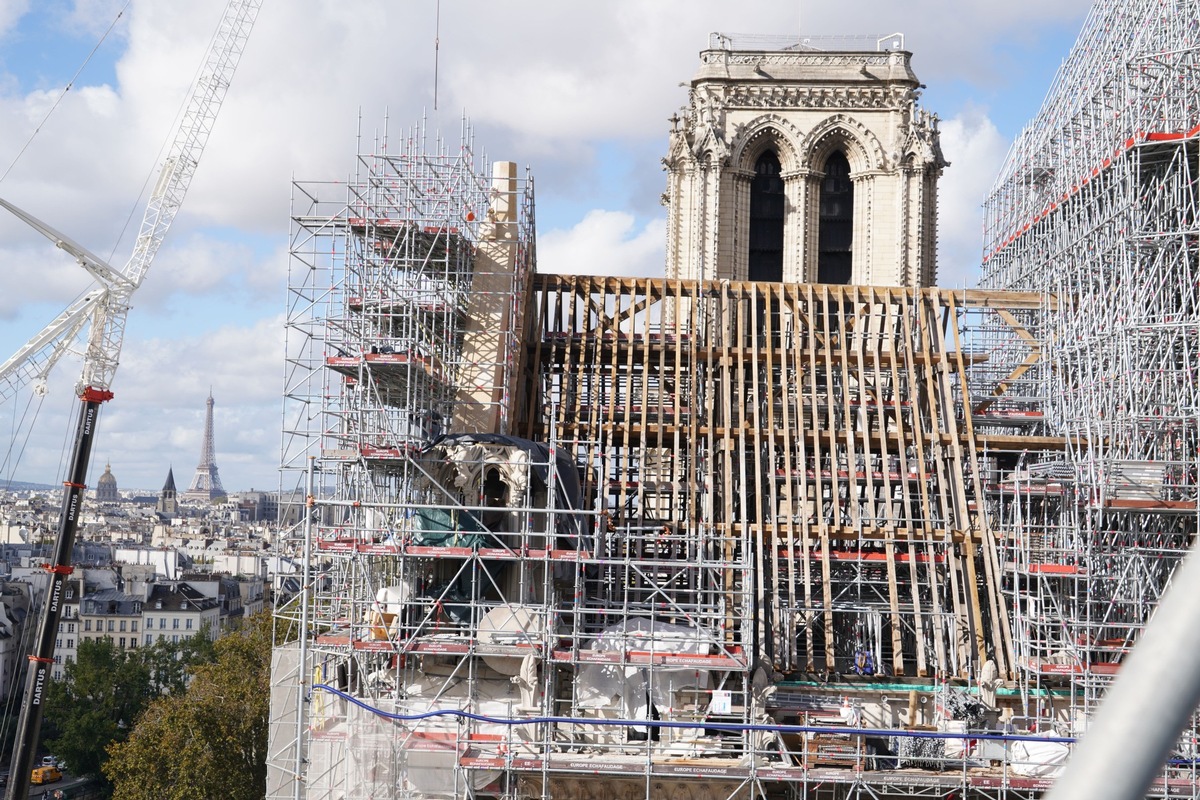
{"points": [[42, 775]]}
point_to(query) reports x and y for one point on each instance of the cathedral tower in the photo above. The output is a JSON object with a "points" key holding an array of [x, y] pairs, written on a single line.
{"points": [[796, 163]]}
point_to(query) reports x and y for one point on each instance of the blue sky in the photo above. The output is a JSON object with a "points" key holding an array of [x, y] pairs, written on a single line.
{"points": [[578, 92]]}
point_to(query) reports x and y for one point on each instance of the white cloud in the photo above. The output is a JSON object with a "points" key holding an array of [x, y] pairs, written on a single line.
{"points": [[975, 150], [36, 274], [605, 243], [11, 12], [543, 83], [557, 86], [156, 419], [214, 265], [157, 416], [94, 17]]}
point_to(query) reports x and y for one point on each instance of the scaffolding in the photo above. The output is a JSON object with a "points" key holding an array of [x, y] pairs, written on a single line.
{"points": [[405, 289], [586, 537], [1097, 206], [730, 545]]}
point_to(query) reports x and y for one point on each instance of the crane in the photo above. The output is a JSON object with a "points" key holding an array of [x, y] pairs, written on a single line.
{"points": [[102, 311]]}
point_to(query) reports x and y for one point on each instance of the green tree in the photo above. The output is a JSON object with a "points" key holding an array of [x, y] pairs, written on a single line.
{"points": [[97, 701], [105, 690], [171, 663], [210, 741]]}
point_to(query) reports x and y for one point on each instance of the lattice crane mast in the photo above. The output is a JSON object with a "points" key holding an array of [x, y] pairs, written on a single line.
{"points": [[103, 312]]}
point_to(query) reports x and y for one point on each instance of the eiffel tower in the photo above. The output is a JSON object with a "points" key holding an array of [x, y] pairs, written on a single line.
{"points": [[206, 485]]}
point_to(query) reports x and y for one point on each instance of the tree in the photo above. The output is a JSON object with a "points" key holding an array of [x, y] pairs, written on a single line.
{"points": [[105, 690], [97, 701], [210, 741], [171, 663]]}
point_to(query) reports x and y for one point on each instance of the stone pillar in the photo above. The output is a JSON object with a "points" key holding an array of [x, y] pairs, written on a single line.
{"points": [[680, 213], [928, 263], [862, 255], [708, 216], [796, 191], [488, 333]]}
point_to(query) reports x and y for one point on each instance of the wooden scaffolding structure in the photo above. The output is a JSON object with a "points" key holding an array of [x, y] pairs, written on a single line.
{"points": [[816, 434]]}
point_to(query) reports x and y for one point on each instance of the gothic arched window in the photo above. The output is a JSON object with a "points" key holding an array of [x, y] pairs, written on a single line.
{"points": [[767, 211], [834, 257]]}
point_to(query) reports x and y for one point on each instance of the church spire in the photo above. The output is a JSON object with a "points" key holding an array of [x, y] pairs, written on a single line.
{"points": [[168, 503]]}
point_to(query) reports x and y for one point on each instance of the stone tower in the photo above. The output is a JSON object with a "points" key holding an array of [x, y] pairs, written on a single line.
{"points": [[802, 163], [168, 501]]}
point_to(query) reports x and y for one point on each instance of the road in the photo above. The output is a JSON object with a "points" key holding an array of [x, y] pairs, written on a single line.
{"points": [[69, 784]]}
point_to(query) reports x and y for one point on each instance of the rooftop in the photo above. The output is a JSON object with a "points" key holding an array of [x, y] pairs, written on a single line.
{"points": [[865, 42]]}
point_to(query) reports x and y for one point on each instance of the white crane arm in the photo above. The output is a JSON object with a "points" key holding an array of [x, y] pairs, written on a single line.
{"points": [[99, 268], [179, 166], [38, 356]]}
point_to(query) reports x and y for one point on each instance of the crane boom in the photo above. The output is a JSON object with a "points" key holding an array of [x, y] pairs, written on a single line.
{"points": [[99, 268], [38, 356], [208, 93], [107, 309]]}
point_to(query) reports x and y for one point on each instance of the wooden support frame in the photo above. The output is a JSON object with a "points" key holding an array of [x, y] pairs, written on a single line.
{"points": [[783, 428]]}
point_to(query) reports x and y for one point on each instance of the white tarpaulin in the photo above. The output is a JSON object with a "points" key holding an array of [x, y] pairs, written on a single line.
{"points": [[1034, 759], [627, 691]]}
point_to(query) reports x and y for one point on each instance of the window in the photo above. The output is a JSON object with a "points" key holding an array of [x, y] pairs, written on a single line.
{"points": [[175, 638], [71, 627], [70, 644], [175, 623], [162, 623], [122, 626], [70, 659], [189, 624], [110, 626], [836, 234], [58, 642], [87, 624], [149, 638], [768, 207], [122, 642], [133, 626]]}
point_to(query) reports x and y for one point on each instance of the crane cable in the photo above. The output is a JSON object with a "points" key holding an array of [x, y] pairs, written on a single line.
{"points": [[9, 465], [66, 89], [12, 704], [12, 687]]}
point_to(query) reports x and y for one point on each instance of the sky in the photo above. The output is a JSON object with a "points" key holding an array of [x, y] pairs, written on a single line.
{"points": [[578, 92]]}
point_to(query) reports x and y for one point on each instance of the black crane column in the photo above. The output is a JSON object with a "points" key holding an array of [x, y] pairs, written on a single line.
{"points": [[42, 658]]}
